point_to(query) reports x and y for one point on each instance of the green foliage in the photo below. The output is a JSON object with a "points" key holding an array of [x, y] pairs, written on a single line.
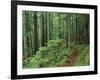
{"points": [[56, 54], [83, 57], [48, 38]]}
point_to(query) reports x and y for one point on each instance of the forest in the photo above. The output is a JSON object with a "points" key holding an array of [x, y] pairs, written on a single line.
{"points": [[55, 39]]}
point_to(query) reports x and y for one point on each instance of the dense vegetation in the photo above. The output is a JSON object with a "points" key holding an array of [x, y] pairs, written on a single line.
{"points": [[49, 39]]}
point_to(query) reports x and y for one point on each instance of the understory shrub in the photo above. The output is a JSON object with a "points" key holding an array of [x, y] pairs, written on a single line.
{"points": [[55, 54]]}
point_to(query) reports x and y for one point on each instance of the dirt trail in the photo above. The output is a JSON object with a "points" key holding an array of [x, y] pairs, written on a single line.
{"points": [[73, 58]]}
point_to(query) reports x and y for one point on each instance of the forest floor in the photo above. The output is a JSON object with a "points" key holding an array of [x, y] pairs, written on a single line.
{"points": [[62, 57], [73, 57]]}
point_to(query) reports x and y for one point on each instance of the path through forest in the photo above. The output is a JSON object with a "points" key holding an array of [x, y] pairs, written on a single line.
{"points": [[73, 58]]}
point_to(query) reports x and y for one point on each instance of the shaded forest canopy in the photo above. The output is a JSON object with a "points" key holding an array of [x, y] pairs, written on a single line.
{"points": [[43, 33]]}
